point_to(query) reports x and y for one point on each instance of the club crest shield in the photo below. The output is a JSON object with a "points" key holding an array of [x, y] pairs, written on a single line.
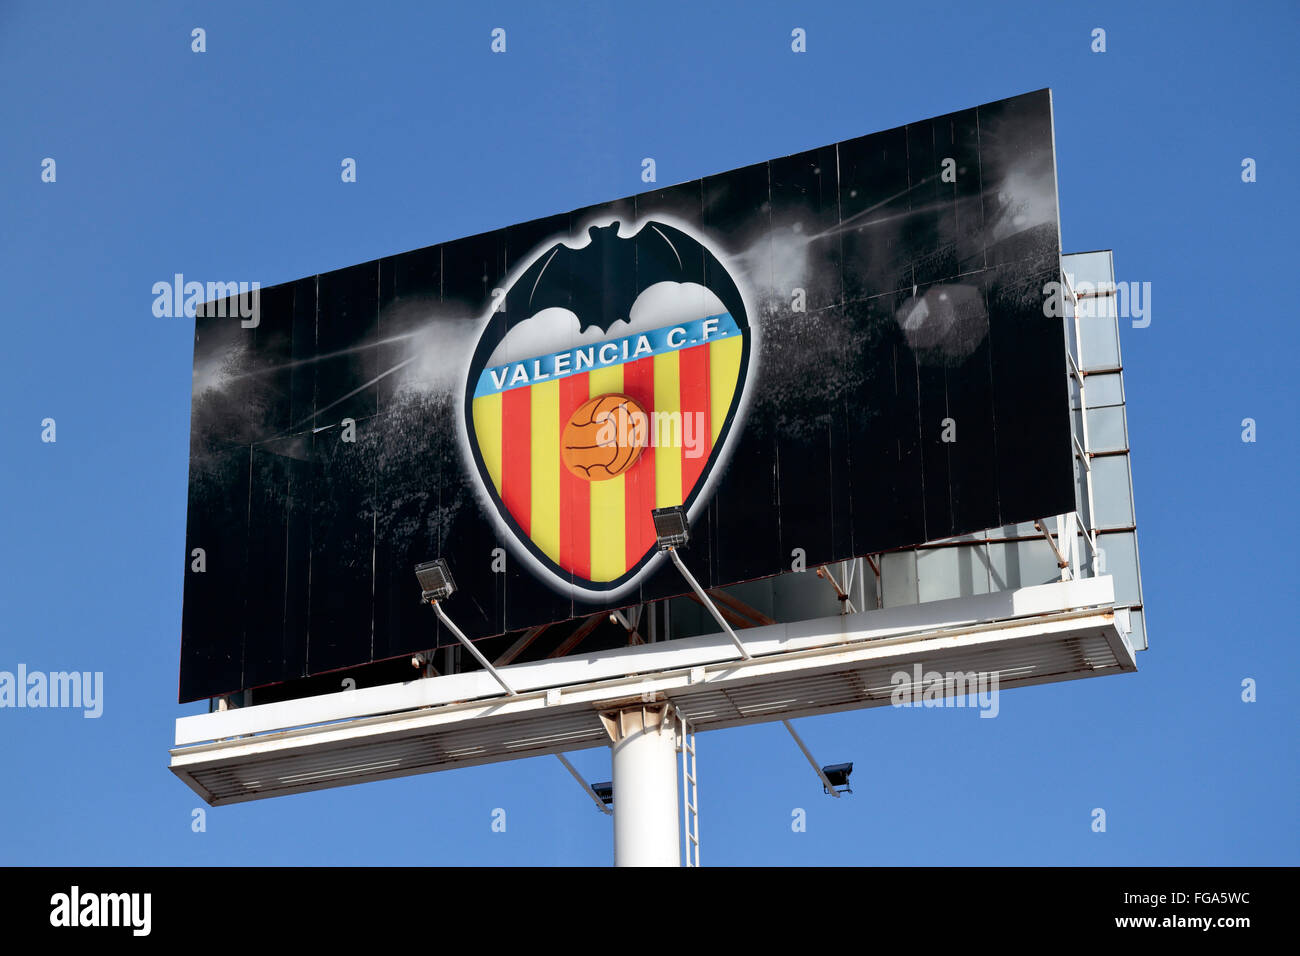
{"points": [[605, 384]]}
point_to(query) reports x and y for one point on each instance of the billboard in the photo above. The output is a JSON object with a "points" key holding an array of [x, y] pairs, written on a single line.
{"points": [[826, 355]]}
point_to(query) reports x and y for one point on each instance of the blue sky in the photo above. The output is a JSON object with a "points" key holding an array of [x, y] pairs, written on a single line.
{"points": [[226, 164]]}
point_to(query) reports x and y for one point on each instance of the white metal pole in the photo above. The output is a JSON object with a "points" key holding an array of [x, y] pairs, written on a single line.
{"points": [[645, 791], [807, 753], [600, 804], [460, 636], [707, 602]]}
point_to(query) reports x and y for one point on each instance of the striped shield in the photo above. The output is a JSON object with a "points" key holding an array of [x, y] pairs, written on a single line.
{"points": [[686, 376]]}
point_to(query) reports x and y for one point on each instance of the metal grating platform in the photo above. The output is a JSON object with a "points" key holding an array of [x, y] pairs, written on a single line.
{"points": [[809, 667]]}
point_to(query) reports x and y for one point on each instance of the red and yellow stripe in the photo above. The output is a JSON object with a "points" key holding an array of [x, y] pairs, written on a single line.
{"points": [[599, 530]]}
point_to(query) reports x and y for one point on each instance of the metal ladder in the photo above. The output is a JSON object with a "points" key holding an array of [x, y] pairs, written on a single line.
{"points": [[690, 792]]}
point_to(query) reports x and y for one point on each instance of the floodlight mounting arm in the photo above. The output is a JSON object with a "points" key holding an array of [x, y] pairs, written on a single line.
{"points": [[825, 780], [708, 602], [442, 616], [600, 804]]}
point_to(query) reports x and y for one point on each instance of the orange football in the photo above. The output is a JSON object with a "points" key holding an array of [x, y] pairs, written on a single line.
{"points": [[604, 437]]}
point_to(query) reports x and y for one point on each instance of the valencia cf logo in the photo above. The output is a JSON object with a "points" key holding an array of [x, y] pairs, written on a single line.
{"points": [[605, 384]]}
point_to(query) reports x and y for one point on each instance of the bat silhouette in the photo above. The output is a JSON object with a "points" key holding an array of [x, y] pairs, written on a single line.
{"points": [[600, 282]]}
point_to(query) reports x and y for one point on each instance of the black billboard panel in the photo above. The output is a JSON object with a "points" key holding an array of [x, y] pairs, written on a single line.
{"points": [[822, 356]]}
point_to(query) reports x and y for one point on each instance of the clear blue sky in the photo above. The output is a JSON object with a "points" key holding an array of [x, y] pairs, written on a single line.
{"points": [[226, 165]]}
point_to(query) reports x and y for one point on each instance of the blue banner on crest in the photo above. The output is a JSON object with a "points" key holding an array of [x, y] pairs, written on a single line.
{"points": [[629, 348]]}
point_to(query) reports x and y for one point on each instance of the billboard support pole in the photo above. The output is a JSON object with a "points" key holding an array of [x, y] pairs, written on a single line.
{"points": [[442, 616], [707, 602], [644, 741]]}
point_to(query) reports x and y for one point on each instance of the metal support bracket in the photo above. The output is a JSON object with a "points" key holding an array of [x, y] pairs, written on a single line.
{"points": [[600, 804], [708, 602], [451, 626], [631, 626], [799, 740], [842, 591]]}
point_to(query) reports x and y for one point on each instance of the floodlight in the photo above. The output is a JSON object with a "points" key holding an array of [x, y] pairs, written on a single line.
{"points": [[837, 775], [671, 527], [435, 580], [605, 791]]}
